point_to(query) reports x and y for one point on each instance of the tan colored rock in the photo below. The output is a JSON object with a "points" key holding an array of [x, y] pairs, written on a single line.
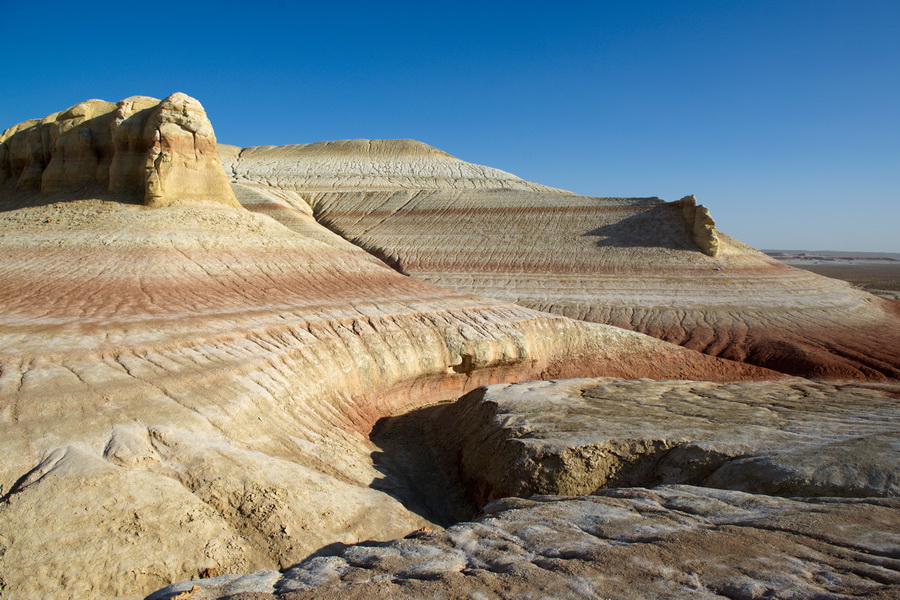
{"points": [[367, 165], [793, 438], [79, 146], [131, 146], [701, 226], [159, 152], [22, 151], [221, 359], [190, 390], [182, 164]]}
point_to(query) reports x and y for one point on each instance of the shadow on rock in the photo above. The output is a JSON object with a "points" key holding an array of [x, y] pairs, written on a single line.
{"points": [[658, 226], [418, 470]]}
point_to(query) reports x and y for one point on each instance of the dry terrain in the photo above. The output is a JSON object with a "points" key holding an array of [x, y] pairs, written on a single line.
{"points": [[261, 371]]}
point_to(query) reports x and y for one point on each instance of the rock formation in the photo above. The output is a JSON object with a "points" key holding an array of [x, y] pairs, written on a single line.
{"points": [[189, 388], [575, 436], [669, 542], [232, 365], [628, 262], [158, 151], [700, 225], [580, 437]]}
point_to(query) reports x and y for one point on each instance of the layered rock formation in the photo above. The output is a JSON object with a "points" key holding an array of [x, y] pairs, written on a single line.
{"points": [[160, 152], [187, 387], [642, 264], [780, 440]]}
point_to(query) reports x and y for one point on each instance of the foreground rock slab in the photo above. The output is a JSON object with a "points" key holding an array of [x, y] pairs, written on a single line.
{"points": [[792, 438], [667, 542]]}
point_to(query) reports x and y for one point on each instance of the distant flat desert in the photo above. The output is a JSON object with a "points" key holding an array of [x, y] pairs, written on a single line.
{"points": [[875, 272]]}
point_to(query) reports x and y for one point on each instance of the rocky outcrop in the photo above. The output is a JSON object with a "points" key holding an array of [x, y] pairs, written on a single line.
{"points": [[642, 264], [678, 542], [791, 438], [539, 439], [191, 391], [160, 152], [700, 225]]}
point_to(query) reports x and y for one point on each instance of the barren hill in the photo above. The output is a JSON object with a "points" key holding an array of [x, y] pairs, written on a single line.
{"points": [[195, 351], [641, 264]]}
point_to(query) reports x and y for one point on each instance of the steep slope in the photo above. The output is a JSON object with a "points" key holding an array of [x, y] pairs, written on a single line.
{"points": [[187, 387], [642, 264]]}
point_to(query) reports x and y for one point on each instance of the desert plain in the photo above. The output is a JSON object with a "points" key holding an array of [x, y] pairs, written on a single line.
{"points": [[368, 369]]}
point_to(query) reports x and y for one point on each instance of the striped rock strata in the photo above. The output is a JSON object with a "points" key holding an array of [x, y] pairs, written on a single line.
{"points": [[642, 264], [187, 387]]}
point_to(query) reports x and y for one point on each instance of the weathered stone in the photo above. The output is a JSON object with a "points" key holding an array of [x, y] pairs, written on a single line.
{"points": [[792, 438], [163, 152], [629, 262], [217, 357], [668, 542]]}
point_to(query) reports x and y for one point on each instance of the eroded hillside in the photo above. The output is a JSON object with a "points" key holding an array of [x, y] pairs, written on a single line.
{"points": [[187, 386]]}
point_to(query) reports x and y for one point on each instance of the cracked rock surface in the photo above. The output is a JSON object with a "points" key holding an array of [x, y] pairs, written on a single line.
{"points": [[667, 542], [792, 438], [824, 521]]}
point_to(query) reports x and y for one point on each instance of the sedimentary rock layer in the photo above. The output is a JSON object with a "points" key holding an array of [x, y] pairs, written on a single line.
{"points": [[791, 438], [364, 165], [232, 367], [641, 264], [668, 542]]}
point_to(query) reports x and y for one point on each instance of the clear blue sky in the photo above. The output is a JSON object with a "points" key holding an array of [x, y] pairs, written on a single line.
{"points": [[782, 116]]}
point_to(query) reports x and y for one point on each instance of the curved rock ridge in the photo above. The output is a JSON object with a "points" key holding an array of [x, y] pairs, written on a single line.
{"points": [[364, 164], [160, 152], [632, 263], [232, 366], [675, 542]]}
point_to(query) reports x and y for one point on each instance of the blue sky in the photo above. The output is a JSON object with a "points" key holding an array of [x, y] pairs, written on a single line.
{"points": [[782, 116]]}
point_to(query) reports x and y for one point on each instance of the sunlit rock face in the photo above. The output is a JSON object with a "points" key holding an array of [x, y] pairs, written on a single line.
{"points": [[158, 152], [187, 387], [641, 264]]}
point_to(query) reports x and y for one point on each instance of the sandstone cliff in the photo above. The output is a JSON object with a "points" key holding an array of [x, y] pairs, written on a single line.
{"points": [[159, 152]]}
